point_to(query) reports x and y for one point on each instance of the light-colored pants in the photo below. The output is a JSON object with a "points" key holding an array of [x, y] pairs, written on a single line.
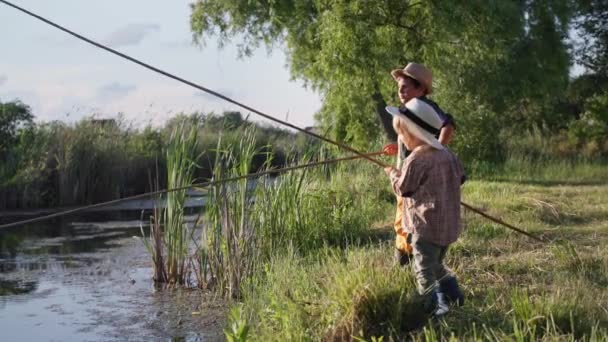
{"points": [[401, 238], [428, 264]]}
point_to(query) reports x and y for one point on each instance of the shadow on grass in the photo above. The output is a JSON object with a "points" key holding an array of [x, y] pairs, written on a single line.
{"points": [[390, 314], [546, 182]]}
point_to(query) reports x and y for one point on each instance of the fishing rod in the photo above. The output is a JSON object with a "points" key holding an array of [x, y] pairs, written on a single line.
{"points": [[199, 185], [225, 98]]}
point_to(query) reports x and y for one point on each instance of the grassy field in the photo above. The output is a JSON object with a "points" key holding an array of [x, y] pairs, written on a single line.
{"points": [[308, 256], [516, 288]]}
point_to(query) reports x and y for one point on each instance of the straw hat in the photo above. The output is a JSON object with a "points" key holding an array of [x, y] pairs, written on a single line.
{"points": [[421, 119], [418, 72]]}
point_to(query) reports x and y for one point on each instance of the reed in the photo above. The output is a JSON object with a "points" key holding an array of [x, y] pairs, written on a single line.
{"points": [[170, 236], [230, 250], [249, 222]]}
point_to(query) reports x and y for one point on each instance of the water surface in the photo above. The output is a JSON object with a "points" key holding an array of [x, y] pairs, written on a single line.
{"points": [[88, 278]]}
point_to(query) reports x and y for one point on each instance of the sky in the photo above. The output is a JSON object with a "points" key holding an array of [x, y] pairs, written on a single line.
{"points": [[62, 78]]}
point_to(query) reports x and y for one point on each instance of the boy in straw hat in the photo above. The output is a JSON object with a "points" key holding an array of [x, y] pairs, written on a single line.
{"points": [[429, 182], [413, 81]]}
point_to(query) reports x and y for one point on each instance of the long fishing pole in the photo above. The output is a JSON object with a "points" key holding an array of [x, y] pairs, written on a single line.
{"points": [[216, 94], [204, 184], [499, 221]]}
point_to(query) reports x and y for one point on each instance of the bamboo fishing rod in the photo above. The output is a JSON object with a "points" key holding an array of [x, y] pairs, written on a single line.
{"points": [[199, 185], [226, 98]]}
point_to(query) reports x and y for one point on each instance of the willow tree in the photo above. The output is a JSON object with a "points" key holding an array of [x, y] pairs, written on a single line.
{"points": [[344, 49], [14, 116], [592, 24]]}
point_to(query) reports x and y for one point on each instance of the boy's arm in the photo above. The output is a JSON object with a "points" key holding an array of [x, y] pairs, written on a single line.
{"points": [[406, 181], [446, 134], [399, 161], [447, 131]]}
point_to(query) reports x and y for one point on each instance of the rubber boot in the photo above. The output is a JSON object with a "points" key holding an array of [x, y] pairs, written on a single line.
{"points": [[442, 305], [402, 258], [449, 287], [436, 304]]}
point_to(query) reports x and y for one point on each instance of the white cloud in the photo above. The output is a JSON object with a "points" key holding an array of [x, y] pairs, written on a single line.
{"points": [[114, 91], [3, 79], [131, 34]]}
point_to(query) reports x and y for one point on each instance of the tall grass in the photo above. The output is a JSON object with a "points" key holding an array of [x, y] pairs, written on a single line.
{"points": [[170, 236], [94, 160], [249, 222], [333, 294], [230, 242], [88, 162], [181, 163], [541, 170]]}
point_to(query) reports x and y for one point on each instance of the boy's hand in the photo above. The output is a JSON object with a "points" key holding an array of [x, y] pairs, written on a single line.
{"points": [[391, 171], [390, 149]]}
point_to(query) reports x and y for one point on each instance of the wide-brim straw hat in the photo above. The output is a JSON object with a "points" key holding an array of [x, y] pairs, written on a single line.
{"points": [[421, 120], [418, 72]]}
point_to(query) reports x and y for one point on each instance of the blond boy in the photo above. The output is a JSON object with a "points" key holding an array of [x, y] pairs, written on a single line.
{"points": [[429, 183]]}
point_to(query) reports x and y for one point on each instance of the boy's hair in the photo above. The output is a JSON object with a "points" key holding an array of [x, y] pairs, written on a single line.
{"points": [[416, 83]]}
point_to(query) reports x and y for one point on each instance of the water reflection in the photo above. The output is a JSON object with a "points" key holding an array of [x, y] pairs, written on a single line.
{"points": [[86, 278], [13, 287], [60, 244]]}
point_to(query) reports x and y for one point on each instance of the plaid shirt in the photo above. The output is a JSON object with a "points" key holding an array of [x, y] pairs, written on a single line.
{"points": [[430, 182]]}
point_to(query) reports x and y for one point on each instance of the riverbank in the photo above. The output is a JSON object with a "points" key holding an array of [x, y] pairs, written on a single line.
{"points": [[516, 288]]}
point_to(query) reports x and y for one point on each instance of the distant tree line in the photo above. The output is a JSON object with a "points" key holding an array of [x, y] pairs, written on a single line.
{"points": [[58, 164]]}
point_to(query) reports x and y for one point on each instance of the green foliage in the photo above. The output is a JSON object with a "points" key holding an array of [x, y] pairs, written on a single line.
{"points": [[230, 243], [58, 164], [592, 24], [587, 136], [596, 109], [16, 126], [238, 329], [478, 140], [181, 162], [14, 117], [332, 295], [93, 160], [345, 50]]}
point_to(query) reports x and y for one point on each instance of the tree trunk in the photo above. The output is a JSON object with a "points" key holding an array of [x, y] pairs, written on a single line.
{"points": [[385, 118]]}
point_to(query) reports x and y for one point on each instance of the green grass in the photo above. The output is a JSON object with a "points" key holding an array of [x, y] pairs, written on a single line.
{"points": [[517, 289], [230, 242], [248, 223], [170, 237], [543, 171]]}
